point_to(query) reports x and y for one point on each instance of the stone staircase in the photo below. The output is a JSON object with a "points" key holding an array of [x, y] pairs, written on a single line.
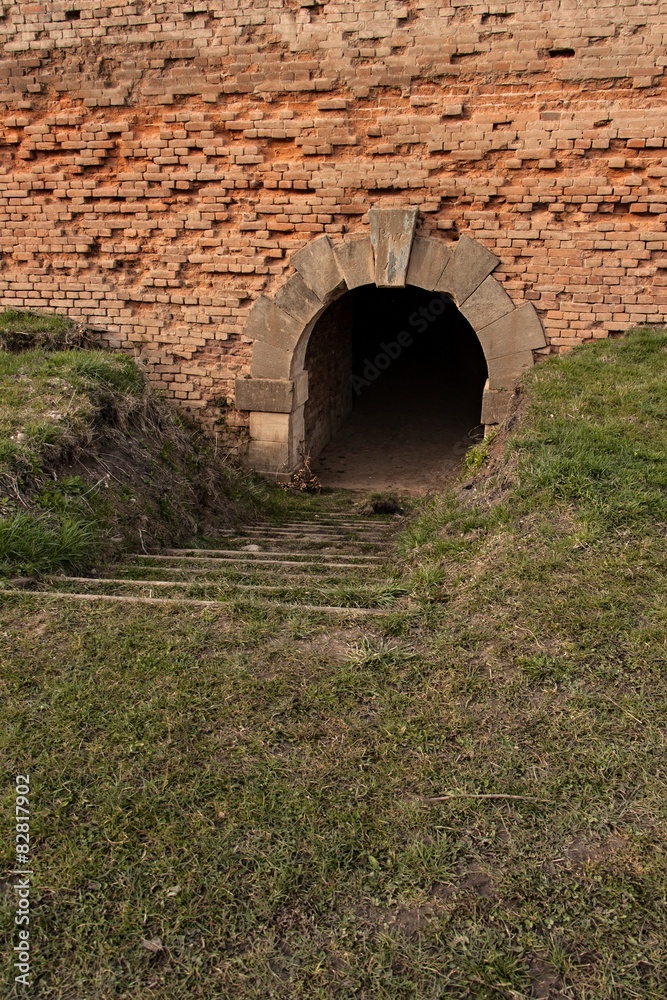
{"points": [[330, 562]]}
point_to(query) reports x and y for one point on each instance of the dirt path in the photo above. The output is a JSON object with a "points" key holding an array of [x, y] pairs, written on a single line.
{"points": [[408, 440]]}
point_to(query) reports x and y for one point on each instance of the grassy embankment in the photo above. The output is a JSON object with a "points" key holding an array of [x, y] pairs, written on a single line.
{"points": [[285, 808], [92, 462]]}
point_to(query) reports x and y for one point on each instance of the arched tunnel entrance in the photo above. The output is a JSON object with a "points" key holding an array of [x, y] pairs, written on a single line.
{"points": [[365, 357], [395, 383]]}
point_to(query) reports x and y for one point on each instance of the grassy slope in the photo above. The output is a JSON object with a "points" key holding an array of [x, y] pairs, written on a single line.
{"points": [[254, 791], [92, 462]]}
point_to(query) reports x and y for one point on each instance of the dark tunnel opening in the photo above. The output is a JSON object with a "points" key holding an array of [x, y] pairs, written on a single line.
{"points": [[395, 389]]}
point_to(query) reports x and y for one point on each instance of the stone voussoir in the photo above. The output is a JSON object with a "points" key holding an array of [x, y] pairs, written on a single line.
{"points": [[428, 260], [355, 260], [505, 372], [470, 264], [298, 300], [489, 302], [517, 330], [318, 266]]}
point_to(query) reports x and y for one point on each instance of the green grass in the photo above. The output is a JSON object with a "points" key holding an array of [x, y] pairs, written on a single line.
{"points": [[596, 442], [34, 541], [93, 463], [22, 330], [258, 790], [52, 404], [50, 400], [476, 456]]}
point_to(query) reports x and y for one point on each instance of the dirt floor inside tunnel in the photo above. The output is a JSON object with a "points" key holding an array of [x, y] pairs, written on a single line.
{"points": [[410, 402]]}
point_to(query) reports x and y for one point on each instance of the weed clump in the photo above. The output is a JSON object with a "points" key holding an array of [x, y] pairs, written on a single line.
{"points": [[38, 543], [304, 479]]}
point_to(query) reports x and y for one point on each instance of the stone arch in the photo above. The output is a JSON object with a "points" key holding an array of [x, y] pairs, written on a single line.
{"points": [[391, 256]]}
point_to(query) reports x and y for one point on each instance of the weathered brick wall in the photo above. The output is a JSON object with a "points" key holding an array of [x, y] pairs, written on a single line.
{"points": [[160, 162]]}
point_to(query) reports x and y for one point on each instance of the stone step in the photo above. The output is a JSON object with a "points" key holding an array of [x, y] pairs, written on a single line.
{"points": [[372, 527], [229, 569], [384, 526], [328, 553], [259, 561], [307, 541], [193, 602], [371, 520], [318, 536], [343, 596], [346, 514], [197, 582], [223, 553], [334, 527]]}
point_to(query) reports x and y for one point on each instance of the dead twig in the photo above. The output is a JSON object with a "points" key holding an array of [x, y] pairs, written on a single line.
{"points": [[479, 795], [94, 487], [505, 990], [624, 710]]}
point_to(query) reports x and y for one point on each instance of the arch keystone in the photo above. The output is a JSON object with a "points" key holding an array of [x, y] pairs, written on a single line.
{"points": [[392, 231]]}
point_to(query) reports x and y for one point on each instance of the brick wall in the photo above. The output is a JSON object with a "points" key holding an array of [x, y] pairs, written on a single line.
{"points": [[329, 367], [160, 162]]}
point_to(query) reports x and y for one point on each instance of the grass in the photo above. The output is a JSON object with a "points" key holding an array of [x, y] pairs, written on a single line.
{"points": [[52, 404], [35, 542], [51, 399], [476, 456], [22, 330], [259, 794], [92, 462]]}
